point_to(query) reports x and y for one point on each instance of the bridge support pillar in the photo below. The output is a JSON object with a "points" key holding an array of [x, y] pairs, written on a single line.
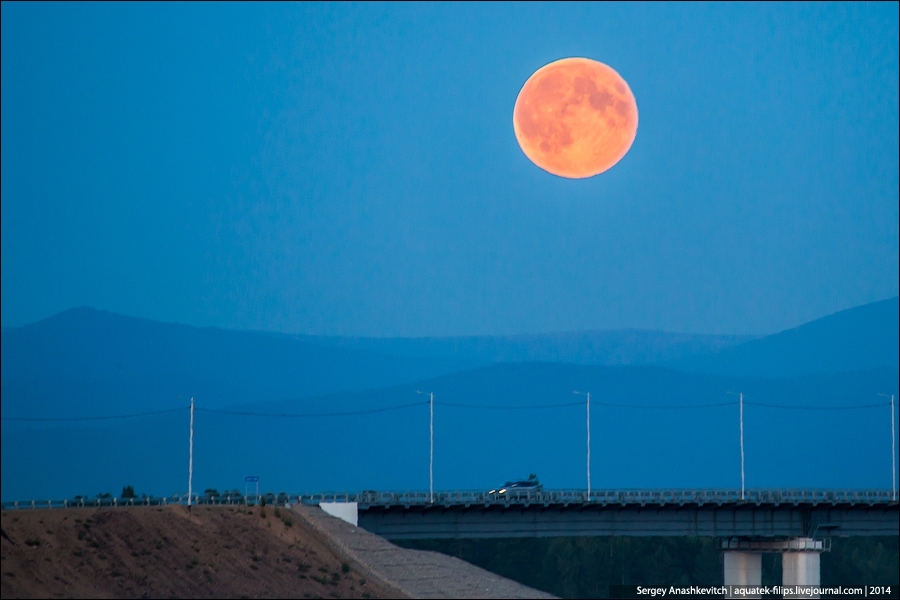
{"points": [[743, 568], [799, 561], [800, 564]]}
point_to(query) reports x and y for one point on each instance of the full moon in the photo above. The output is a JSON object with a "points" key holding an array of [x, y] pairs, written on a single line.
{"points": [[575, 118]]}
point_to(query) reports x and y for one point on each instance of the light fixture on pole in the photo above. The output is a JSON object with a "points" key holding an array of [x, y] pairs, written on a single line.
{"points": [[588, 394], [431, 446], [741, 402], [893, 451], [191, 456]]}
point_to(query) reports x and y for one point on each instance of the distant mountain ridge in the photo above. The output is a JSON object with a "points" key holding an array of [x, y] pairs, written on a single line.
{"points": [[863, 337], [615, 347], [86, 362]]}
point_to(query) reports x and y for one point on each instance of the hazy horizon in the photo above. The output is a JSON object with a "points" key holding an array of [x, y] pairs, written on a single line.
{"points": [[470, 335]]}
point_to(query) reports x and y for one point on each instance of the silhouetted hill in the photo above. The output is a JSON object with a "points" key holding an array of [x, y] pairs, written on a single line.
{"points": [[864, 337], [651, 426], [619, 347], [85, 362]]}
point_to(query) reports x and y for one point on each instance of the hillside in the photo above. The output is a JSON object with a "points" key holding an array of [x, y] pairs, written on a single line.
{"points": [[863, 337], [86, 362], [261, 396], [224, 552], [213, 552], [616, 347]]}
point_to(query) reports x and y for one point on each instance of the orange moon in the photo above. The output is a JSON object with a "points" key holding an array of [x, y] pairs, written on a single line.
{"points": [[575, 118]]}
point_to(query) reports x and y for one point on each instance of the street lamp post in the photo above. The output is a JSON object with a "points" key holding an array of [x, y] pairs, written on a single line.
{"points": [[191, 456], [741, 403], [893, 452], [588, 395], [431, 446]]}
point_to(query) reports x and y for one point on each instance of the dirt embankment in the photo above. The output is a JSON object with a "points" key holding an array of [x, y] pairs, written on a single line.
{"points": [[168, 552]]}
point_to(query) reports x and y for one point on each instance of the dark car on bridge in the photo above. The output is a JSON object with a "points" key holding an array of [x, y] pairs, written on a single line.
{"points": [[517, 488]]}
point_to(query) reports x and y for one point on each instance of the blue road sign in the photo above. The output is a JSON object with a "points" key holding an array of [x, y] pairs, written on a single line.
{"points": [[251, 479]]}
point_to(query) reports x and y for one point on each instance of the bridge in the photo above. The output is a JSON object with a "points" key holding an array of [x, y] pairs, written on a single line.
{"points": [[712, 513], [794, 523]]}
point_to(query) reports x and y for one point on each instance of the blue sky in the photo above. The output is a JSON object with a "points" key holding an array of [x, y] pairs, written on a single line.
{"points": [[352, 169]]}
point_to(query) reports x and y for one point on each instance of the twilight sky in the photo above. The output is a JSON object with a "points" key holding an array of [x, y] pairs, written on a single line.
{"points": [[352, 169]]}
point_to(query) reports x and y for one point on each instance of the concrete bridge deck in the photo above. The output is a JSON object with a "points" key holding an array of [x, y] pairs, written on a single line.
{"points": [[713, 513]]}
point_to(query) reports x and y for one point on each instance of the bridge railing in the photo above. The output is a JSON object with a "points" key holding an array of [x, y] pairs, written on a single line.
{"points": [[100, 502], [603, 497], [373, 498], [622, 497]]}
